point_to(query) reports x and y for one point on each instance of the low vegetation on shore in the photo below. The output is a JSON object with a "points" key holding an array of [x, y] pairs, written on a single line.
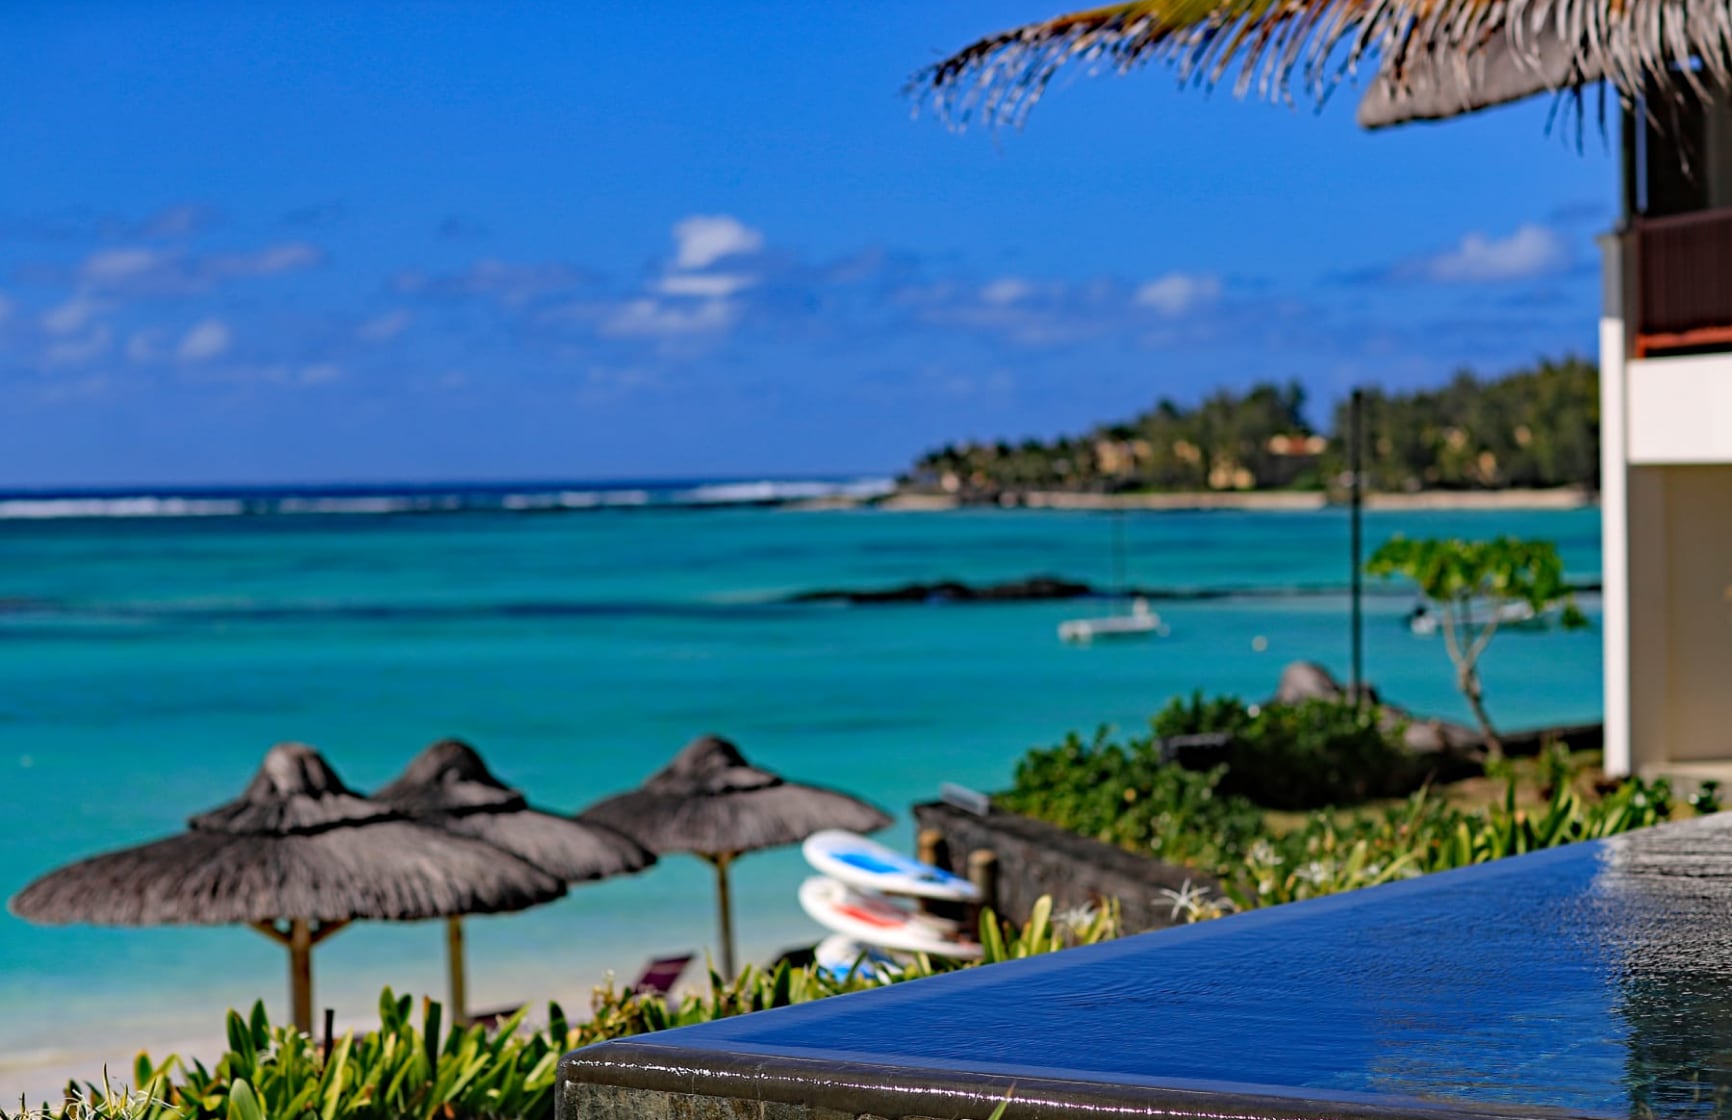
{"points": [[1533, 428], [1237, 822]]}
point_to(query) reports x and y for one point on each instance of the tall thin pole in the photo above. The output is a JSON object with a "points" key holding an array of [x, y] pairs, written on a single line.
{"points": [[724, 912], [454, 961], [301, 974], [1119, 584], [1356, 469]]}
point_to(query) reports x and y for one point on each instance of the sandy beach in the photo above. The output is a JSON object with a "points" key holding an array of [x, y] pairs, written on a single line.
{"points": [[1250, 500]]}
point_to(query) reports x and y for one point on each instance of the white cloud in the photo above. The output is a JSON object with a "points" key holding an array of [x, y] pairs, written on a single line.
{"points": [[653, 318], [160, 272], [1179, 292], [708, 285], [145, 346], [1006, 290], [269, 261], [704, 239], [110, 266], [384, 327], [176, 221], [206, 340], [71, 316], [508, 282], [1532, 250], [320, 372], [72, 351]]}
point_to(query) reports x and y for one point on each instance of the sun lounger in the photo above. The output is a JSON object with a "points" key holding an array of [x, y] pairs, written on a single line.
{"points": [[657, 979], [661, 974]]}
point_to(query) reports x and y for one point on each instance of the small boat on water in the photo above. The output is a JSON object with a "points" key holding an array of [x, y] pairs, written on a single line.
{"points": [[1425, 619], [1141, 622]]}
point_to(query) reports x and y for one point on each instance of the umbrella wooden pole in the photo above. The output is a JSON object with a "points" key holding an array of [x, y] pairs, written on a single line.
{"points": [[454, 958], [299, 939], [724, 911], [301, 973]]}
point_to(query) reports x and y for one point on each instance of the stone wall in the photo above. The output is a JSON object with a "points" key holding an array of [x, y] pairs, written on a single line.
{"points": [[1035, 858]]}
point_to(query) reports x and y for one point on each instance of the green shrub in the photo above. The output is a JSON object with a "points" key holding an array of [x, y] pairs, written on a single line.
{"points": [[1122, 793], [1198, 715], [1125, 795], [409, 1071], [1317, 753], [1307, 755]]}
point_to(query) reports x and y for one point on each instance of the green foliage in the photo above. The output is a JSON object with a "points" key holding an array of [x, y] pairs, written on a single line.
{"points": [[409, 1071], [1298, 756], [1123, 794], [1535, 427], [1472, 584], [1198, 714], [1319, 752], [1470, 574]]}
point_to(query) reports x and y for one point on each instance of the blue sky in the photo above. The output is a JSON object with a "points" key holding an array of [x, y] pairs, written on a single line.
{"points": [[274, 242]]}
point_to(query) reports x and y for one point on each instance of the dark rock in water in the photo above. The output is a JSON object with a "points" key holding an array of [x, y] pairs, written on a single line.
{"points": [[953, 591], [1307, 680]]}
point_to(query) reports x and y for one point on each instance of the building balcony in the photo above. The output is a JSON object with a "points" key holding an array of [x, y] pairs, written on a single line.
{"points": [[1682, 283], [1668, 291]]}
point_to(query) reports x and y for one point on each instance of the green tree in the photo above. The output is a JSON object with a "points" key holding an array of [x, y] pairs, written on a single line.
{"points": [[1477, 587]]}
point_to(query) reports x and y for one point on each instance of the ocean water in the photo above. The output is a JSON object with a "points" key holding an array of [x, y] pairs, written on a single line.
{"points": [[147, 662]]}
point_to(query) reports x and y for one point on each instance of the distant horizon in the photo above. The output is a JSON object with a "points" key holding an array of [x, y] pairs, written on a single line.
{"points": [[436, 485]]}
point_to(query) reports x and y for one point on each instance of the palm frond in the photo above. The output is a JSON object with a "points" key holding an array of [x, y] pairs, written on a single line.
{"points": [[1683, 47]]}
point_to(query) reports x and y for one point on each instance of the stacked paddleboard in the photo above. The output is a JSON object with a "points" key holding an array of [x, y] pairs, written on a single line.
{"points": [[858, 895]]}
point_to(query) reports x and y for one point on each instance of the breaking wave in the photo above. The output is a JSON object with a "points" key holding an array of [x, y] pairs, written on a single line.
{"points": [[381, 501]]}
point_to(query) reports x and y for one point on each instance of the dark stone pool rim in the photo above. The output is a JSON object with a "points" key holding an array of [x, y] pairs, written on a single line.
{"points": [[649, 1080]]}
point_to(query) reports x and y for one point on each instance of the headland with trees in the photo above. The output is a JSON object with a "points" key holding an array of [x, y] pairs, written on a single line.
{"points": [[1529, 431]]}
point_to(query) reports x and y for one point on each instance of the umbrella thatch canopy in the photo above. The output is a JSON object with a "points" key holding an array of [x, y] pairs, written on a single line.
{"points": [[297, 856], [1434, 46], [713, 803], [1434, 83], [449, 786]]}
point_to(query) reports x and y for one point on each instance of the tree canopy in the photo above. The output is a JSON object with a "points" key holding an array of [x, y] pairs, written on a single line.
{"points": [[1536, 427]]}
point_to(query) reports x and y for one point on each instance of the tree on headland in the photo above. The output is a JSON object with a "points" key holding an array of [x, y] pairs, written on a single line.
{"points": [[1537, 427], [1476, 587]]}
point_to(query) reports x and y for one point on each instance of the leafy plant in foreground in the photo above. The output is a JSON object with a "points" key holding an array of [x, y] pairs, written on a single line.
{"points": [[406, 1070]]}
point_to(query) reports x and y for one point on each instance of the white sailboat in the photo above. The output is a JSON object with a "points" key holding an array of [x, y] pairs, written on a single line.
{"points": [[1424, 619], [1141, 622]]}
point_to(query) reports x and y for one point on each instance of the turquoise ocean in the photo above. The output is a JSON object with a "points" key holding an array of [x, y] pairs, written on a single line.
{"points": [[152, 649]]}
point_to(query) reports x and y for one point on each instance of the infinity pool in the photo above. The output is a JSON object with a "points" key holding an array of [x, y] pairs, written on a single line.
{"points": [[1593, 980]]}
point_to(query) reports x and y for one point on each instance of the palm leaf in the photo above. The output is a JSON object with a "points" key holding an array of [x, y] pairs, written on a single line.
{"points": [[1681, 46]]}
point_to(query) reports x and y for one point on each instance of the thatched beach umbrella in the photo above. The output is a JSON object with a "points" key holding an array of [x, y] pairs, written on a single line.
{"points": [[711, 802], [448, 786], [1437, 57], [297, 856]]}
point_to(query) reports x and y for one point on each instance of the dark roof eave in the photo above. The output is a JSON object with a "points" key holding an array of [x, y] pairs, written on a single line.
{"points": [[1440, 82]]}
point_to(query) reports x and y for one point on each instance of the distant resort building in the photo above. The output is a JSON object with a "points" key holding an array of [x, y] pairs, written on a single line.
{"points": [[1666, 448]]}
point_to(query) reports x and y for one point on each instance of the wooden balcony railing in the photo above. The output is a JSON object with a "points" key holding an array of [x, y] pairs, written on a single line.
{"points": [[1684, 282]]}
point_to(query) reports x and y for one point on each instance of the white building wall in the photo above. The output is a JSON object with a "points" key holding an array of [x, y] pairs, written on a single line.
{"points": [[1679, 410], [1614, 557]]}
